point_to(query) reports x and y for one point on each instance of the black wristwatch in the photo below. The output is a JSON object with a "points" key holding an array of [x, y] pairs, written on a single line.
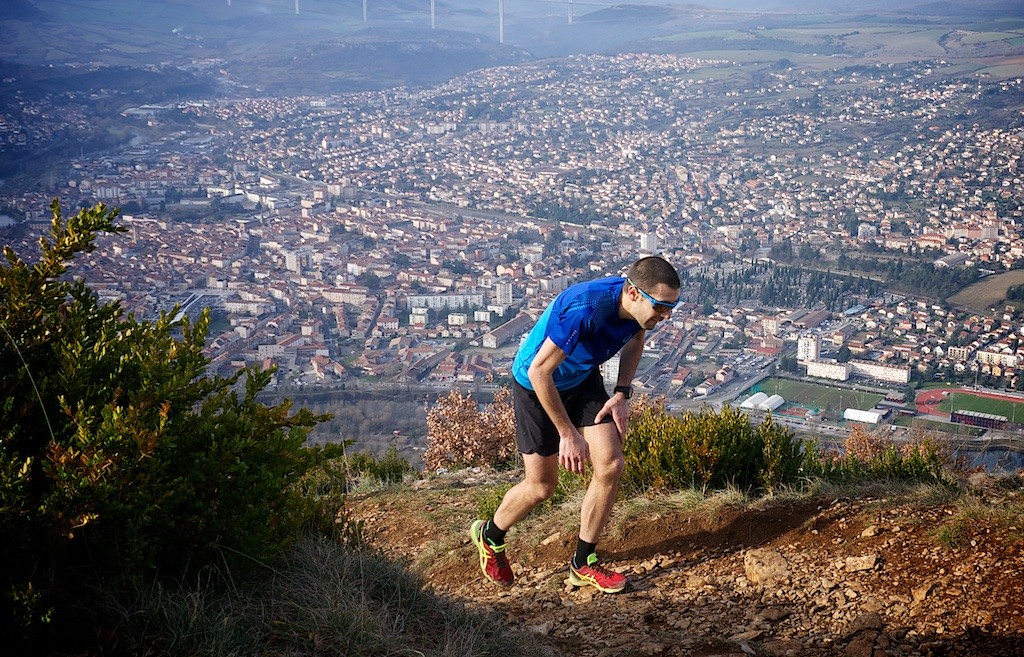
{"points": [[627, 391]]}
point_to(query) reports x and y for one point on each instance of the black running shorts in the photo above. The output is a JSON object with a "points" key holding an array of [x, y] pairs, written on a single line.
{"points": [[536, 433]]}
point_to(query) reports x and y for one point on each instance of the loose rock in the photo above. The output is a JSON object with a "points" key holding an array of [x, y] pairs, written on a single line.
{"points": [[765, 566], [860, 564]]}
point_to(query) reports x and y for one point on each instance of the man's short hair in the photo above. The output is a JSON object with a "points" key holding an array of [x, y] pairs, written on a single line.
{"points": [[652, 270]]}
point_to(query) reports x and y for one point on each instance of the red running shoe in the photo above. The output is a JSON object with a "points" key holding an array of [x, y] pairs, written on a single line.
{"points": [[493, 561], [604, 580]]}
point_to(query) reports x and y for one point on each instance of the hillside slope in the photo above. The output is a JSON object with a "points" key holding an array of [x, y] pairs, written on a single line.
{"points": [[916, 573]]}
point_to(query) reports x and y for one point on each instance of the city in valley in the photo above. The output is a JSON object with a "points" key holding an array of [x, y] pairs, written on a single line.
{"points": [[822, 218]]}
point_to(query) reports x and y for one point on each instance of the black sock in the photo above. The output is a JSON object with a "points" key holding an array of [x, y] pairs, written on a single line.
{"points": [[494, 534], [583, 551]]}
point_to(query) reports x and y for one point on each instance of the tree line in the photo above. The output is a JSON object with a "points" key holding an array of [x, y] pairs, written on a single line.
{"points": [[771, 284]]}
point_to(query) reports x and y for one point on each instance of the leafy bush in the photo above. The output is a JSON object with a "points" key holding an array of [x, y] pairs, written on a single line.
{"points": [[782, 457], [707, 450], [325, 487], [704, 450], [118, 454], [388, 469], [460, 434], [870, 456]]}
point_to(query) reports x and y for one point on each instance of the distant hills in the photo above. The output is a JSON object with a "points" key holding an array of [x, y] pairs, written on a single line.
{"points": [[372, 59], [945, 8], [120, 82], [20, 10], [260, 46], [987, 8]]}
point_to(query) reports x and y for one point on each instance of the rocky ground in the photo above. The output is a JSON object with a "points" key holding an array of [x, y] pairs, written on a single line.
{"points": [[865, 575]]}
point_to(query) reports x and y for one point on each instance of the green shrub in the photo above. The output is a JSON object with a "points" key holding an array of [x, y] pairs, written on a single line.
{"points": [[706, 450], [388, 469], [324, 487], [873, 456], [118, 453], [953, 535], [569, 483], [782, 457], [488, 499]]}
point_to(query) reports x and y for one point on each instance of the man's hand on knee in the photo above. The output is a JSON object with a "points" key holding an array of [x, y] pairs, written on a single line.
{"points": [[573, 452]]}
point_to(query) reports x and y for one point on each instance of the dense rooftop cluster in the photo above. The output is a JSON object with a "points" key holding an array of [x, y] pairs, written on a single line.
{"points": [[387, 233]]}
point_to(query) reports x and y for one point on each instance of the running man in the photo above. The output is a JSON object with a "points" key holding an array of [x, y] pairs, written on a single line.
{"points": [[564, 416]]}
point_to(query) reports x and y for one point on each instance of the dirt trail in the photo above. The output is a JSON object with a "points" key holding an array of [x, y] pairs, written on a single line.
{"points": [[861, 577]]}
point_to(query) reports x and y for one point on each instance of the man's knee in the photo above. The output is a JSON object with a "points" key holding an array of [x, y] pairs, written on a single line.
{"points": [[539, 491], [610, 468]]}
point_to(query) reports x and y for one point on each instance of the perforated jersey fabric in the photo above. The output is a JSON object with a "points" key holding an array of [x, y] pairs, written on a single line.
{"points": [[583, 321]]}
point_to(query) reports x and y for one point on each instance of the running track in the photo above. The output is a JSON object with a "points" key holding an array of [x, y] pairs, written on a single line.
{"points": [[927, 401]]}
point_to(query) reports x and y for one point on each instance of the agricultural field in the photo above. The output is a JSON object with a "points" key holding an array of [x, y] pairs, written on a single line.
{"points": [[988, 292]]}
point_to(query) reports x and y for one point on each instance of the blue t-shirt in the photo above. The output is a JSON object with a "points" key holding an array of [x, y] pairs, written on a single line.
{"points": [[583, 321]]}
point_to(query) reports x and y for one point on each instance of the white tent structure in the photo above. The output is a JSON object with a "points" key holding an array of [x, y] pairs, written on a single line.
{"points": [[857, 415], [753, 401], [772, 403]]}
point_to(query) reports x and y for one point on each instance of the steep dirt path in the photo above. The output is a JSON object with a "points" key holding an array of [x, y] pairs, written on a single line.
{"points": [[813, 577]]}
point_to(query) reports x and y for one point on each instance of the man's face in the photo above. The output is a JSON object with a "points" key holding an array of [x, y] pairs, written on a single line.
{"points": [[654, 305]]}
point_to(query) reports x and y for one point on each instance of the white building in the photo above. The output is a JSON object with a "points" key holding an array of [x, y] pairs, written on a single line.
{"points": [[610, 370], [880, 372], [857, 415], [347, 293], [828, 369], [503, 293], [445, 301], [807, 348], [1001, 358]]}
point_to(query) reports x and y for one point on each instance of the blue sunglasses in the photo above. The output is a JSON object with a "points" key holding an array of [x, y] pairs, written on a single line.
{"points": [[659, 305]]}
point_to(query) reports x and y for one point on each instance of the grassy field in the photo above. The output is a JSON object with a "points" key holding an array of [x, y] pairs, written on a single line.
{"points": [[987, 292], [934, 426], [966, 402], [814, 395], [986, 37]]}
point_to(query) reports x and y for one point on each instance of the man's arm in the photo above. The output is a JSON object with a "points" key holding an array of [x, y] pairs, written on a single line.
{"points": [[573, 451], [629, 360]]}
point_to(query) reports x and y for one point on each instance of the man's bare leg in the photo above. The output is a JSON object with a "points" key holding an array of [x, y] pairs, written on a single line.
{"points": [[539, 482], [606, 457]]}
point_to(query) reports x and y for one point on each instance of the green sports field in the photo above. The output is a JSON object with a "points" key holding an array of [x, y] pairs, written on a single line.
{"points": [[936, 427], [814, 395], [964, 401]]}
